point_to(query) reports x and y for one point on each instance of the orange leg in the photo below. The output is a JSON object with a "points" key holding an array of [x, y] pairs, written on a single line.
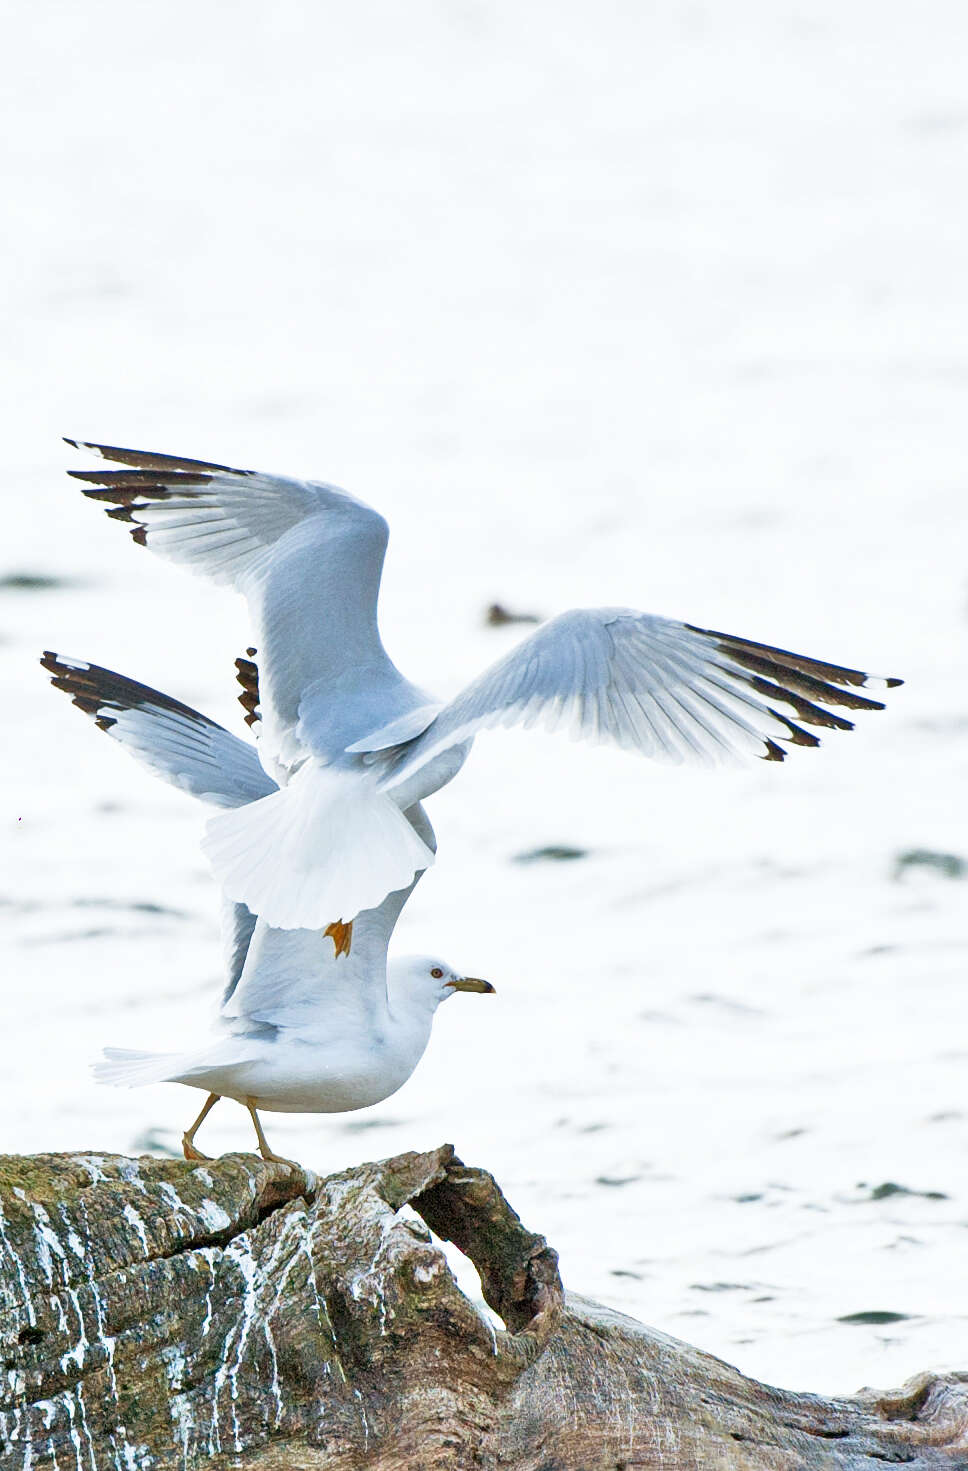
{"points": [[188, 1145], [264, 1149]]}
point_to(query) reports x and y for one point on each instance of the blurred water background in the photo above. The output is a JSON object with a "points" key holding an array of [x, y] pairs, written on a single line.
{"points": [[657, 304]]}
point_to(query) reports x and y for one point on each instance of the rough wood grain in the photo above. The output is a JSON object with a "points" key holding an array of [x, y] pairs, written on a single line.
{"points": [[155, 1314]]}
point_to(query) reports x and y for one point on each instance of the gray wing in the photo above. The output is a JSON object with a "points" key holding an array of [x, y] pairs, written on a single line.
{"points": [[307, 556], [212, 518], [174, 741], [289, 975], [653, 685], [238, 925], [183, 747]]}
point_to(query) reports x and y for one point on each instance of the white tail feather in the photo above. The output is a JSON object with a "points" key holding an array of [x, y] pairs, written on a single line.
{"points": [[125, 1068], [323, 848]]}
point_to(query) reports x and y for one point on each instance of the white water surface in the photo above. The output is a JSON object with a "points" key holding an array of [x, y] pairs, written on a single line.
{"points": [[661, 305]]}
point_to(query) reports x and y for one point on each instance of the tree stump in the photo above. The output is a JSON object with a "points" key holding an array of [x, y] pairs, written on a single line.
{"points": [[156, 1314]]}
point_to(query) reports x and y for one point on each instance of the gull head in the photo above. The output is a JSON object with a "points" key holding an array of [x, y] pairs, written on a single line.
{"points": [[427, 979]]}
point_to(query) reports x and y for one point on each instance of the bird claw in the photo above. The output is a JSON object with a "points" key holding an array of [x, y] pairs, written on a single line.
{"points": [[278, 1159], [190, 1152]]}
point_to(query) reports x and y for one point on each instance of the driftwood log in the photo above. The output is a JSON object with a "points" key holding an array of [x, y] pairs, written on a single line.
{"points": [[155, 1314]]}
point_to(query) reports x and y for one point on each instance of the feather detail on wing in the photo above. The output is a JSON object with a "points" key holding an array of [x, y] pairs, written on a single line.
{"points": [[308, 558], [238, 925], [183, 747], [396, 732], [173, 740], [215, 519], [324, 847], [653, 685]]}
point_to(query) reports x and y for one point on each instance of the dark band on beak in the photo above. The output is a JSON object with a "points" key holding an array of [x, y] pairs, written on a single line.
{"points": [[471, 983]]}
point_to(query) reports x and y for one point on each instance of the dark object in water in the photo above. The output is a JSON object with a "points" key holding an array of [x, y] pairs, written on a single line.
{"points": [[155, 1141], [32, 582], [889, 1187], [554, 853], [874, 1317], [948, 865], [497, 615]]}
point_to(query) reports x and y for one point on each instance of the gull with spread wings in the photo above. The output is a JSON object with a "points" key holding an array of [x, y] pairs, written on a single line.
{"points": [[299, 1029], [352, 745]]}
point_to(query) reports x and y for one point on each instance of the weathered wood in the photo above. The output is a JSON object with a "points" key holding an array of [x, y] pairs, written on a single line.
{"points": [[159, 1314]]}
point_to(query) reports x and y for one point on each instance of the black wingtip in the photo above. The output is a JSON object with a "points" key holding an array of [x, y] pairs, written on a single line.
{"points": [[55, 664], [139, 459], [892, 684], [247, 674]]}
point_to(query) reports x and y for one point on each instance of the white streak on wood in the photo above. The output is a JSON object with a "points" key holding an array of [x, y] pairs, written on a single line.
{"points": [[18, 1268], [133, 1219]]}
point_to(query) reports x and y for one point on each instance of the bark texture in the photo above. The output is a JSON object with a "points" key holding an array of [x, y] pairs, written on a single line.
{"points": [[155, 1314]]}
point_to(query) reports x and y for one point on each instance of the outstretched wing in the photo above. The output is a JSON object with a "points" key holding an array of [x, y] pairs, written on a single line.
{"points": [[307, 556], [213, 518], [180, 745], [653, 685], [290, 975]]}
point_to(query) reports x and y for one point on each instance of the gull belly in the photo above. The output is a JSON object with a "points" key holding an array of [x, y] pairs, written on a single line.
{"points": [[304, 1073]]}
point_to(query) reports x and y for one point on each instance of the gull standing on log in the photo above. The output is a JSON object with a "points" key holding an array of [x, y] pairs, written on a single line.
{"points": [[352, 744], [299, 1029]]}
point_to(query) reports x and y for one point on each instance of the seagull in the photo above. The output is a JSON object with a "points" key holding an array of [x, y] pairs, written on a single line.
{"points": [[302, 1026], [352, 745]]}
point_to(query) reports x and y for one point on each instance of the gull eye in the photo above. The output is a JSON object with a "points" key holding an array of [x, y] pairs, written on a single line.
{"points": [[436, 972]]}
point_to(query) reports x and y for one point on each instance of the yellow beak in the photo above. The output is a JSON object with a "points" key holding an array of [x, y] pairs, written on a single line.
{"points": [[471, 983]]}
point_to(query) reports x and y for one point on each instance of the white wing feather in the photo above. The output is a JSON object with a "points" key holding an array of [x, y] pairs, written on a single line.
{"points": [[238, 927], [174, 741], [308, 557], [181, 746], [213, 518], [653, 685]]}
